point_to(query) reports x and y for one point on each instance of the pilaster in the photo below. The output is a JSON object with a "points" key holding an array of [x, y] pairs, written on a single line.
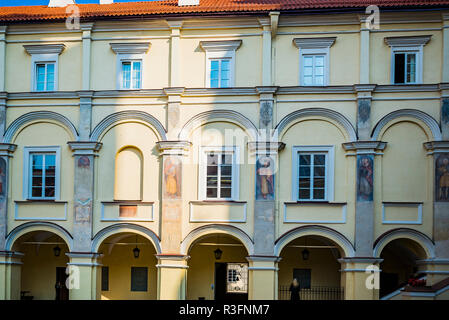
{"points": [[173, 124], [445, 65], [364, 100], [10, 275], [364, 151], [171, 276], [175, 52], [85, 125], [86, 29], [84, 154], [3, 30], [361, 278], [263, 277], [444, 112], [266, 103], [84, 275], [6, 151], [265, 22], [364, 77]]}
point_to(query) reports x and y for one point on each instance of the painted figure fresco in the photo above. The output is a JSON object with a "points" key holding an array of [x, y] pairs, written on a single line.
{"points": [[84, 162], [265, 178], [172, 169], [365, 177], [442, 177]]}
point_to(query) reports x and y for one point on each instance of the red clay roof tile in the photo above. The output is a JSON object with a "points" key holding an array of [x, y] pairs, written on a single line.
{"points": [[29, 13]]}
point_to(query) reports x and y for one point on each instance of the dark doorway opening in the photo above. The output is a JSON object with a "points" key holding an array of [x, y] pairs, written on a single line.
{"points": [[62, 292], [221, 278]]}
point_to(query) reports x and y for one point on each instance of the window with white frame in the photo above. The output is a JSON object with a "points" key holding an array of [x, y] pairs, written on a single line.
{"points": [[220, 62], [131, 74], [314, 60], [41, 173], [130, 64], [313, 168], [406, 58], [44, 61], [219, 173]]}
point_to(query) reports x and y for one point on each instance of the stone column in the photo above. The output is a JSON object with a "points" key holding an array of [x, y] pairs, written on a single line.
{"points": [[86, 29], [365, 152], [84, 153], [10, 275], [172, 266], [361, 278], [263, 277], [437, 268], [84, 277], [171, 277]]}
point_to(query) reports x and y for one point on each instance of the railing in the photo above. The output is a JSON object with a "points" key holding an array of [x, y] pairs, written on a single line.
{"points": [[314, 293]]}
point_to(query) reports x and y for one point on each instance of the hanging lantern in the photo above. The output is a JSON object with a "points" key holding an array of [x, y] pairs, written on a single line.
{"points": [[136, 251], [218, 253], [57, 251], [305, 254]]}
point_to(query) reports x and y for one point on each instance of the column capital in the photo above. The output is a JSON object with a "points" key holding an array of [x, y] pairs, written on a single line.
{"points": [[361, 260], [87, 26], [174, 24], [260, 258], [262, 147], [85, 93], [180, 148], [7, 149], [85, 148], [436, 146], [364, 91], [267, 89], [11, 254], [364, 147], [174, 91]]}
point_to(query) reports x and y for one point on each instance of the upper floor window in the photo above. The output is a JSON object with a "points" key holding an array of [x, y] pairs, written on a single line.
{"points": [[44, 61], [219, 173], [407, 58], [130, 64], [41, 173], [313, 173], [314, 60], [220, 63]]}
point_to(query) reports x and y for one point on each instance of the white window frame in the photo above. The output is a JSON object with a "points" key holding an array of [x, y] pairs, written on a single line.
{"points": [[202, 176], [129, 51], [418, 75], [330, 171], [219, 50], [27, 152], [408, 44], [129, 58], [314, 46], [47, 53]]}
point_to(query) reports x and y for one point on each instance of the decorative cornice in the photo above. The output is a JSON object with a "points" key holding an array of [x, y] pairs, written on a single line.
{"points": [[87, 26], [259, 258], [226, 45], [174, 91], [364, 147], [84, 148], [44, 48], [412, 41], [313, 43], [265, 147], [437, 146], [267, 89], [7, 149], [173, 147], [130, 47], [364, 87]]}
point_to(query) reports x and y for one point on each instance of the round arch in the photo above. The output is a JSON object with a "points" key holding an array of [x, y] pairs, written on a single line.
{"points": [[428, 120], [317, 112], [404, 233], [125, 227], [216, 115], [15, 126], [314, 230], [111, 119], [28, 227], [197, 234]]}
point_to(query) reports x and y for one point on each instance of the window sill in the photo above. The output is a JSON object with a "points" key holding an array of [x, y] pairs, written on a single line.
{"points": [[137, 202], [40, 200], [205, 202], [317, 202]]}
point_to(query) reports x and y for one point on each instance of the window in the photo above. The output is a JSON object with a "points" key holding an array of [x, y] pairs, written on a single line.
{"points": [[237, 278], [130, 64], [314, 60], [131, 74], [313, 168], [139, 279], [104, 278], [406, 58], [219, 174], [220, 62], [45, 76], [304, 277], [44, 61], [41, 179], [220, 73]]}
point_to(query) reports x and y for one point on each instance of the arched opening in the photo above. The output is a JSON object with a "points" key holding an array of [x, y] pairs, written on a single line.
{"points": [[218, 269], [43, 275], [399, 264], [128, 270], [313, 261], [128, 174]]}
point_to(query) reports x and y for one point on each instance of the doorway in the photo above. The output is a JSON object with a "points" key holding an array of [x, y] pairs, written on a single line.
{"points": [[227, 275], [62, 292]]}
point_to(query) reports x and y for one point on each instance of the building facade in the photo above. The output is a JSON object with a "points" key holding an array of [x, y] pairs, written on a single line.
{"points": [[210, 151]]}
